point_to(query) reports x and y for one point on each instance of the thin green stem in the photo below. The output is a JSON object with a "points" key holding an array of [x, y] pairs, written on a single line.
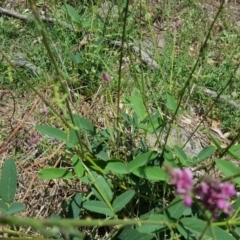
{"points": [[70, 223], [200, 56], [99, 189], [203, 232], [59, 75], [120, 69], [172, 61], [210, 109]]}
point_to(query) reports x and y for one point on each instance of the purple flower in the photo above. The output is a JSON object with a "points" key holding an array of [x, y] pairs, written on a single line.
{"points": [[214, 195], [187, 199], [33, 141], [228, 189], [183, 179], [44, 110], [105, 78]]}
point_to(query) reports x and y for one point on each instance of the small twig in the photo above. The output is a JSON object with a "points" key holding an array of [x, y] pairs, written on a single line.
{"points": [[35, 176], [17, 129], [20, 61], [223, 99], [146, 59], [29, 188], [192, 88], [6, 105], [9, 13], [45, 158]]}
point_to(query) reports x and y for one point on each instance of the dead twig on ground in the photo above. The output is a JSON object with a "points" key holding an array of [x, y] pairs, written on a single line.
{"points": [[17, 129], [4, 104], [223, 99], [10, 13], [45, 158]]}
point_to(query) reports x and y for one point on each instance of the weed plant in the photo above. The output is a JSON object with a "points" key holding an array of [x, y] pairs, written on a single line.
{"points": [[138, 185]]}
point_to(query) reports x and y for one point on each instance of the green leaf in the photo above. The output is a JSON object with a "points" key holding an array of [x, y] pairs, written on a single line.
{"points": [[206, 153], [169, 159], [186, 234], [234, 151], [175, 209], [141, 160], [102, 155], [187, 212], [98, 207], [3, 207], [72, 139], [8, 182], [84, 124], [117, 167], [132, 234], [72, 12], [215, 142], [55, 216], [142, 126], [53, 173], [237, 230], [155, 124], [236, 155], [76, 58], [228, 169], [237, 203], [151, 126], [194, 227], [181, 154], [152, 173], [103, 186], [15, 208], [52, 132], [171, 103], [86, 24], [11, 209], [75, 206], [78, 167], [138, 106], [148, 228], [122, 200], [235, 147], [97, 195]]}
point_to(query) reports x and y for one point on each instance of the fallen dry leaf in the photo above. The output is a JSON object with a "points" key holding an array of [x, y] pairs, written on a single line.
{"points": [[217, 130]]}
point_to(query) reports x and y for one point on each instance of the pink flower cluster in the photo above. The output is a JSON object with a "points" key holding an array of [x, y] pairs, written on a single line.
{"points": [[105, 78], [214, 194], [183, 179], [33, 141]]}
